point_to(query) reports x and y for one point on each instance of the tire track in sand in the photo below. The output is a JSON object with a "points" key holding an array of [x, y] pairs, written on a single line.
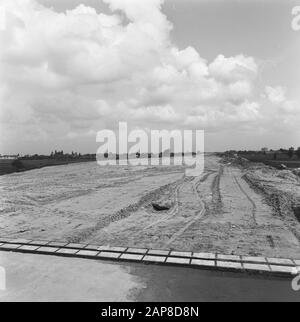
{"points": [[169, 214], [175, 209], [198, 215], [250, 200], [217, 203]]}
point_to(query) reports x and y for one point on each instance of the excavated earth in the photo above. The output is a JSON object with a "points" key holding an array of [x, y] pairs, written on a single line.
{"points": [[233, 207]]}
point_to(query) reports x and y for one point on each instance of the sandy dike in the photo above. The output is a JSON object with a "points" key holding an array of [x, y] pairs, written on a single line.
{"points": [[231, 208]]}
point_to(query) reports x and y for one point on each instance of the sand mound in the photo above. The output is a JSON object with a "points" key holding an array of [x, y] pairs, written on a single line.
{"points": [[296, 172], [287, 175]]}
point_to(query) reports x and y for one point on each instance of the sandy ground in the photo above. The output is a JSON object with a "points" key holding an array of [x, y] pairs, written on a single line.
{"points": [[50, 278], [72, 202], [47, 278], [224, 210]]}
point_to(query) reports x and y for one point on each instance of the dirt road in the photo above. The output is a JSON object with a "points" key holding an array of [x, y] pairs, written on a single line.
{"points": [[219, 211], [216, 212]]}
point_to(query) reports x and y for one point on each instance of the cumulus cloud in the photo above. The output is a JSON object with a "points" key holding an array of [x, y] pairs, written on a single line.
{"points": [[233, 68], [276, 95], [81, 70]]}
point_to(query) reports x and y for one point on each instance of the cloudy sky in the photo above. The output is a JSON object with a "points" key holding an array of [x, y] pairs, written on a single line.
{"points": [[69, 68]]}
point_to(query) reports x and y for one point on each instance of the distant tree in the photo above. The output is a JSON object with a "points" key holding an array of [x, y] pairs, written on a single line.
{"points": [[298, 153], [291, 152], [105, 155]]}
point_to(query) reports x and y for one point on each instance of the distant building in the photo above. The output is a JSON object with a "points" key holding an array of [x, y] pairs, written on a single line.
{"points": [[9, 157]]}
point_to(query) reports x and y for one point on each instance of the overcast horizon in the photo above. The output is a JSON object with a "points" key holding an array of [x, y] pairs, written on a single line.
{"points": [[70, 68]]}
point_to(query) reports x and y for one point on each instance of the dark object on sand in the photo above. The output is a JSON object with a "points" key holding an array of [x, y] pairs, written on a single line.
{"points": [[162, 205], [282, 167]]}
